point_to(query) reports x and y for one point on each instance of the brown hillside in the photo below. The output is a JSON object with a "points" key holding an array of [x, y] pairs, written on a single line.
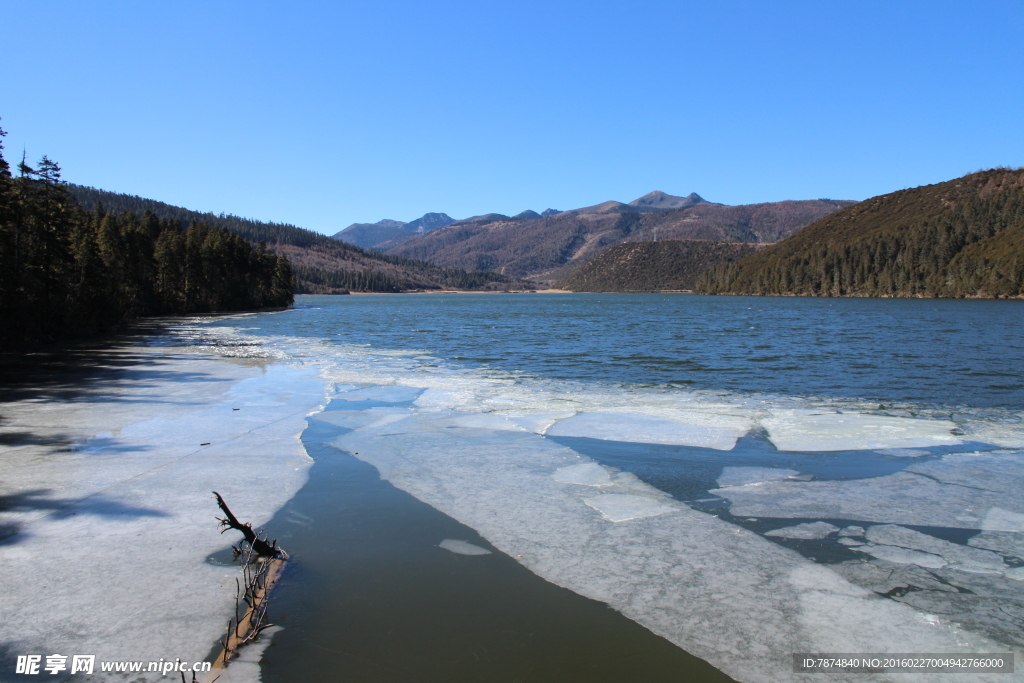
{"points": [[547, 249]]}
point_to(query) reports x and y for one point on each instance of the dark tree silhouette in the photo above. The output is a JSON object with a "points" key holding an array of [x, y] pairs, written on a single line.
{"points": [[66, 272]]}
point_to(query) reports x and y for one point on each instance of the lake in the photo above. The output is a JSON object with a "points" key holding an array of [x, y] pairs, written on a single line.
{"points": [[645, 487]]}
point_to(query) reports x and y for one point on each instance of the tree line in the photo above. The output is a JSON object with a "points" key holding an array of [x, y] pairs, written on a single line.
{"points": [[68, 273], [321, 264]]}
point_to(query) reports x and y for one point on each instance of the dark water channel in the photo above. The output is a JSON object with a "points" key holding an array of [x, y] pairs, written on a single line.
{"points": [[370, 596]]}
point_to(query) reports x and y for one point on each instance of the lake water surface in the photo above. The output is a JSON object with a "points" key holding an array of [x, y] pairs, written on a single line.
{"points": [[724, 472]]}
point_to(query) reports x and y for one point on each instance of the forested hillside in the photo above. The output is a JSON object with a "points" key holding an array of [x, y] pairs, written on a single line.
{"points": [[653, 266], [549, 248], [66, 272], [960, 238], [322, 265]]}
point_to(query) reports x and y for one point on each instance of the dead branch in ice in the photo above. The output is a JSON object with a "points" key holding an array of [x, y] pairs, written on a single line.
{"points": [[261, 568], [229, 521]]}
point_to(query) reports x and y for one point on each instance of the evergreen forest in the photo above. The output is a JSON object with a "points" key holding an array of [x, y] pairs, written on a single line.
{"points": [[653, 266], [321, 264], [960, 238], [66, 272]]}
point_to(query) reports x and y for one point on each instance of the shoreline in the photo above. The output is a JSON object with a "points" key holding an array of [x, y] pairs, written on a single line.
{"points": [[108, 454], [453, 291]]}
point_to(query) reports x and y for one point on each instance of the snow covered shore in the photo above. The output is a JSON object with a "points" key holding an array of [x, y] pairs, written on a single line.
{"points": [[106, 517]]}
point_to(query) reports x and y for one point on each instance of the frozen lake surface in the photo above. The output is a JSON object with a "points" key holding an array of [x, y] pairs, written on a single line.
{"points": [[537, 487], [746, 478]]}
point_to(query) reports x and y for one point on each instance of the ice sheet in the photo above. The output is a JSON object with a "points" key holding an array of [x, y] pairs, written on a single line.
{"points": [[903, 556], [904, 452], [688, 429], [957, 491], [388, 394], [621, 507], [998, 519], [744, 476], [809, 530], [585, 474], [111, 537], [1004, 542], [354, 419], [462, 547], [721, 592], [967, 557], [856, 431]]}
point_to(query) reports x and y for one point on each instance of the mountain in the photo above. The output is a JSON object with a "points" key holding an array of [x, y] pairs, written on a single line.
{"points": [[660, 200], [483, 218], [388, 233], [653, 266], [960, 238], [322, 265], [428, 222], [368, 235], [548, 248]]}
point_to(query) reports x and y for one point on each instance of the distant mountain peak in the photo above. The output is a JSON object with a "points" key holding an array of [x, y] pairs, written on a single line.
{"points": [[429, 221], [527, 215], [389, 232], [661, 200], [549, 212]]}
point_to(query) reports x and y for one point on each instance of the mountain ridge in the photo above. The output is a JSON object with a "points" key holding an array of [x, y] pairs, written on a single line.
{"points": [[548, 248], [387, 232]]}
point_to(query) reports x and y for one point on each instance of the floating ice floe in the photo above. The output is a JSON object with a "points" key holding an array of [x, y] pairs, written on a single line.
{"points": [[717, 590], [957, 491], [904, 452], [488, 421], [810, 530], [355, 419], [903, 556], [998, 519], [965, 558], [1003, 542], [585, 474], [621, 507], [856, 431], [384, 394], [744, 476], [462, 547], [707, 430], [537, 423]]}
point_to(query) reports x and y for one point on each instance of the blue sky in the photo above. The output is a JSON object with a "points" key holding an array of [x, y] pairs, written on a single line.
{"points": [[324, 114]]}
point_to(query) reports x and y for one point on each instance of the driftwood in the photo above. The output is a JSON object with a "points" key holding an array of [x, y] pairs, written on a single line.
{"points": [[229, 521], [262, 566]]}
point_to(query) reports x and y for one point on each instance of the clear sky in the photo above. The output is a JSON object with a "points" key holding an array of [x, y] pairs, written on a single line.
{"points": [[323, 114]]}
